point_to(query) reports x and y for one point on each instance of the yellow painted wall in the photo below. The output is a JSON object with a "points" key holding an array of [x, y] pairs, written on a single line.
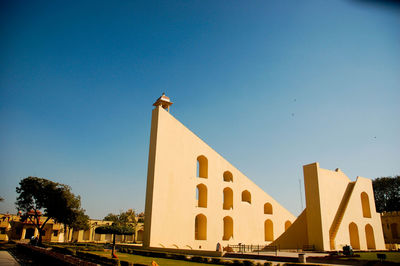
{"points": [[335, 213], [17, 231], [171, 205], [391, 227], [354, 214], [313, 205], [331, 185], [334, 204], [296, 236], [5, 227], [333, 201], [91, 236]]}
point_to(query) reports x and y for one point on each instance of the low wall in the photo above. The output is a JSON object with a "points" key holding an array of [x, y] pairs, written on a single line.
{"points": [[392, 246], [196, 252]]}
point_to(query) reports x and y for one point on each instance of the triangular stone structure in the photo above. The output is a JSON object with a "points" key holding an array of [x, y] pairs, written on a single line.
{"points": [[339, 212], [197, 200]]}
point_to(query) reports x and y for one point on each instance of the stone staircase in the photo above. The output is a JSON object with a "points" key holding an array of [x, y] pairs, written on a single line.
{"points": [[339, 214]]}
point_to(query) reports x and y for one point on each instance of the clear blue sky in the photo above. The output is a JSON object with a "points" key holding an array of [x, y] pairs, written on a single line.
{"points": [[270, 85]]}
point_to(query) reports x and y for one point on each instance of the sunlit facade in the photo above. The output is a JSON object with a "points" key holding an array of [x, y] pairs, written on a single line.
{"points": [[11, 228], [195, 199]]}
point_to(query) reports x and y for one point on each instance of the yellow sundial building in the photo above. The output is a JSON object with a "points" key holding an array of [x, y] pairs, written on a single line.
{"points": [[196, 199]]}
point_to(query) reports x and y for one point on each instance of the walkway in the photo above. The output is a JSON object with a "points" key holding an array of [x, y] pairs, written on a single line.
{"points": [[282, 257], [6, 259], [292, 254]]}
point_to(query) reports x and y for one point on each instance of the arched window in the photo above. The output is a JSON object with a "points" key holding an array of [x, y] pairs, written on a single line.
{"points": [[228, 199], [228, 177], [393, 228], [29, 233], [269, 230], [201, 195], [228, 228], [246, 196], [369, 235], [354, 238], [97, 237], [267, 208], [202, 166], [365, 205], [287, 225], [200, 227]]}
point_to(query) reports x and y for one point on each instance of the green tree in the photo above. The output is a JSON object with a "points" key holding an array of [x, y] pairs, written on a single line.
{"points": [[124, 218], [54, 200], [387, 193], [123, 224], [79, 221], [141, 217]]}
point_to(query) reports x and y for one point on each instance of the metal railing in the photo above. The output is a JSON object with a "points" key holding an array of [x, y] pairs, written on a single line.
{"points": [[242, 248]]}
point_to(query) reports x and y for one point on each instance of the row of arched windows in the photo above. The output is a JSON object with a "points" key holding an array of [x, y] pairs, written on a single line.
{"points": [[355, 239], [201, 192], [369, 231], [201, 197], [202, 169], [200, 230], [201, 220]]}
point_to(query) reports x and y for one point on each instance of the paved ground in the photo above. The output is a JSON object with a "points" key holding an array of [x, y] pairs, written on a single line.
{"points": [[292, 254], [288, 254], [6, 259]]}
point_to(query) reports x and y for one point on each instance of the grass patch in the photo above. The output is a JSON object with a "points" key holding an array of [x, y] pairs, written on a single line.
{"points": [[148, 260], [390, 256]]}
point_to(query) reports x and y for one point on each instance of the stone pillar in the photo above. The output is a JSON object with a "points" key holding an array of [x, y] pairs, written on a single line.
{"points": [[69, 236], [80, 235], [91, 234], [23, 233], [135, 235]]}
